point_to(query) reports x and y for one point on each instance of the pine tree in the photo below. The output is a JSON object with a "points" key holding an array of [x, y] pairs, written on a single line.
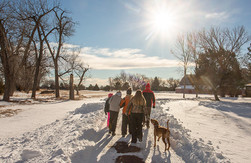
{"points": [[96, 87], [117, 85], [156, 84], [220, 71]]}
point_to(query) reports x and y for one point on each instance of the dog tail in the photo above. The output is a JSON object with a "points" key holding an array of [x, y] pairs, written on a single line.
{"points": [[167, 123]]}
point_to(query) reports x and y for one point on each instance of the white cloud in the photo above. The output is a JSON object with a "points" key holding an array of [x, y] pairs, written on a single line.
{"points": [[105, 58], [217, 15]]}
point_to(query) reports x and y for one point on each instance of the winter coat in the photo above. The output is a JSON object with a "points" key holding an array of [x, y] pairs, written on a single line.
{"points": [[115, 102], [107, 105], [136, 106], [149, 96], [124, 103]]}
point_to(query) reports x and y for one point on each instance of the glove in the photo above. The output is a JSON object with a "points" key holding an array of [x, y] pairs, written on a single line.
{"points": [[153, 106]]}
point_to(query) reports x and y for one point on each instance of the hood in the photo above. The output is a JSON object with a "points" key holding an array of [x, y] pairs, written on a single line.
{"points": [[148, 86], [118, 94], [110, 95]]}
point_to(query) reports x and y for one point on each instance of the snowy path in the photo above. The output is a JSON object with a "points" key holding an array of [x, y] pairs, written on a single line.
{"points": [[47, 133]]}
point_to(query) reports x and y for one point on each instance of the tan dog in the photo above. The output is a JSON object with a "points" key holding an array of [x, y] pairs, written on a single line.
{"points": [[161, 132]]}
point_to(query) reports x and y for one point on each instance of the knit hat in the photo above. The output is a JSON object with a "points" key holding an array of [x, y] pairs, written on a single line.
{"points": [[118, 93], [110, 95], [148, 85], [129, 91]]}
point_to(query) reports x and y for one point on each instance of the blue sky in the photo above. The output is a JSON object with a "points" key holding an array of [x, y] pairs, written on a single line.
{"points": [[128, 35]]}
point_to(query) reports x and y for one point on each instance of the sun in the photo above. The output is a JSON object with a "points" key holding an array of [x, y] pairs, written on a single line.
{"points": [[163, 21]]}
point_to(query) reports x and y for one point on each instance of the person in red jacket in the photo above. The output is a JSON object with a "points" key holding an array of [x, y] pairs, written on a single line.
{"points": [[150, 102]]}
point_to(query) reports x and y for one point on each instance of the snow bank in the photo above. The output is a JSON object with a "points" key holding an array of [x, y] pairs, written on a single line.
{"points": [[58, 141], [189, 149]]}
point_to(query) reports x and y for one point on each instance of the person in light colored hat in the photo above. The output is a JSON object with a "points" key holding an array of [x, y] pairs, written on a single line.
{"points": [[114, 110]]}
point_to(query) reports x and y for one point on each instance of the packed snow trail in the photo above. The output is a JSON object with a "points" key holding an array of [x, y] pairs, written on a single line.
{"points": [[82, 136]]}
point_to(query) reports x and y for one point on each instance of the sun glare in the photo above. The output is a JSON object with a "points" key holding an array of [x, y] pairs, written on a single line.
{"points": [[162, 21]]}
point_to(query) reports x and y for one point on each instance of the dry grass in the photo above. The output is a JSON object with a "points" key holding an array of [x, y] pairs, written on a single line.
{"points": [[8, 112]]}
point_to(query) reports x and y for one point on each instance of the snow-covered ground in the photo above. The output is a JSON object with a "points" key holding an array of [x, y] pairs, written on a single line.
{"points": [[202, 130]]}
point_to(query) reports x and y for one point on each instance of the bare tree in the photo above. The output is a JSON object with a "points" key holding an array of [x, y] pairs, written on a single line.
{"points": [[229, 39], [64, 28], [19, 22], [44, 9], [8, 58], [78, 67], [193, 45], [172, 83], [80, 72], [183, 53]]}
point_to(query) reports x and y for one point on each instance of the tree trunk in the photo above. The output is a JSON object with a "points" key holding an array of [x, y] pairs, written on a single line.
{"points": [[12, 85], [216, 97], [38, 62], [7, 83], [185, 73], [184, 95], [5, 62], [35, 83], [56, 79], [77, 89]]}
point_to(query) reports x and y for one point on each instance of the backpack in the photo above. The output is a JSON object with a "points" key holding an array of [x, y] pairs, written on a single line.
{"points": [[107, 105]]}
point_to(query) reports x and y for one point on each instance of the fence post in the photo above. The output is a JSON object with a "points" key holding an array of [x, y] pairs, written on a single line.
{"points": [[71, 88]]}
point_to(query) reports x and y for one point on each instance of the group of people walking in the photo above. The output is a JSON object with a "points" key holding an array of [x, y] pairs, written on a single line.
{"points": [[135, 113]]}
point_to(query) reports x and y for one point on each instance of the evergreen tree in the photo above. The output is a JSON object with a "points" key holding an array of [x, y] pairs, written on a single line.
{"points": [[117, 85], [107, 88], [155, 84], [81, 87], [96, 88], [90, 87], [220, 71]]}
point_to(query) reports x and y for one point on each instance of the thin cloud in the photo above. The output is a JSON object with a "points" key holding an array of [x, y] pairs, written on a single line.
{"points": [[104, 58], [217, 15]]}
